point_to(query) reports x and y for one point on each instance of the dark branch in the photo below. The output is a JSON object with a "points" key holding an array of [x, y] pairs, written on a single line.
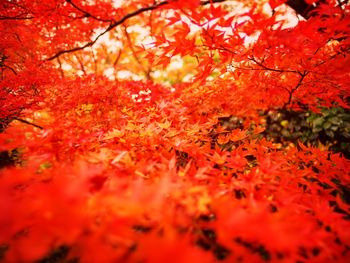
{"points": [[29, 123], [24, 14], [8, 67], [291, 92], [301, 7], [87, 14], [145, 71], [260, 64], [15, 17], [109, 28], [117, 23], [212, 1], [343, 52]]}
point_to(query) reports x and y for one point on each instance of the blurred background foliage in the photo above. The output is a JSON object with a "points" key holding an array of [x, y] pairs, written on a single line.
{"points": [[330, 128]]}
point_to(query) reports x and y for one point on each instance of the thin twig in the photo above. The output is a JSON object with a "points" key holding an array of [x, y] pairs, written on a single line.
{"points": [[145, 71], [109, 28], [60, 65], [341, 52], [29, 123], [8, 67], [87, 14], [212, 1], [80, 63], [271, 69], [119, 22], [117, 58], [291, 92], [15, 18]]}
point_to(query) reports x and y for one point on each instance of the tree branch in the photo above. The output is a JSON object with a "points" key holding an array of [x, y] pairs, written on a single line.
{"points": [[260, 64], [145, 71], [10, 68], [301, 7], [87, 14], [117, 23], [15, 17], [109, 28], [212, 1], [291, 92], [27, 122], [343, 52]]}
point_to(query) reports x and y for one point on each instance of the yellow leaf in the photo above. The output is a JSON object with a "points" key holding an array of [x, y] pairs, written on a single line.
{"points": [[164, 125], [131, 127], [141, 174], [87, 107], [115, 133], [203, 203], [119, 157], [219, 159], [284, 123]]}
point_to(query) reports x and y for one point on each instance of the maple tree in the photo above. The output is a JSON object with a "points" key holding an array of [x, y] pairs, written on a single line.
{"points": [[140, 131]]}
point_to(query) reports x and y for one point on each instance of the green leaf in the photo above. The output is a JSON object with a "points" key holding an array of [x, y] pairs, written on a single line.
{"points": [[316, 129], [335, 120], [330, 133], [334, 128], [318, 121], [327, 125]]}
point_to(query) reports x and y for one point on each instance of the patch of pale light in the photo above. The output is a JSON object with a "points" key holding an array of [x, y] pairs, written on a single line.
{"points": [[176, 63], [225, 75], [267, 9], [148, 42], [157, 74], [126, 74], [167, 83], [109, 73], [66, 66], [140, 30], [242, 19], [80, 73], [187, 78], [193, 27], [210, 78], [118, 3], [144, 39], [251, 39], [112, 44], [231, 67], [288, 16], [145, 92]]}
